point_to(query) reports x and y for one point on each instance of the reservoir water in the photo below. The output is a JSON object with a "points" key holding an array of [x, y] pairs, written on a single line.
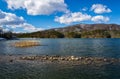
{"points": [[78, 47], [109, 48]]}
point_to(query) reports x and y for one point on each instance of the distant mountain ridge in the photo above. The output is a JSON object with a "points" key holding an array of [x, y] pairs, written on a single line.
{"points": [[88, 27], [78, 31]]}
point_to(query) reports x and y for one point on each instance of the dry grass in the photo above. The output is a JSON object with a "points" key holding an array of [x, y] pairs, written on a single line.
{"points": [[26, 43]]}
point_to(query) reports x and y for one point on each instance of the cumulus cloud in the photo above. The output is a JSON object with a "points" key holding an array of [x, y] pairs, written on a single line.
{"points": [[38, 7], [11, 21], [79, 17], [72, 17], [100, 8], [31, 28], [100, 18]]}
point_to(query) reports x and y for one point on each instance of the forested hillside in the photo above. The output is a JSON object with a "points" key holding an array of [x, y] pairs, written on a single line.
{"points": [[78, 31]]}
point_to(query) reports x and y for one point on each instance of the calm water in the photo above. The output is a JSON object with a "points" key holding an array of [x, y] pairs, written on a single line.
{"points": [[78, 47]]}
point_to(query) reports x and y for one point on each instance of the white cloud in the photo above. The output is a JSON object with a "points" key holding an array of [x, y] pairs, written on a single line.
{"points": [[30, 28], [11, 21], [38, 7], [99, 8], [84, 9], [72, 17], [100, 18]]}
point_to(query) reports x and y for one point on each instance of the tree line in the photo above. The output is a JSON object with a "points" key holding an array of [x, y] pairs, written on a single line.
{"points": [[6, 35], [82, 34]]}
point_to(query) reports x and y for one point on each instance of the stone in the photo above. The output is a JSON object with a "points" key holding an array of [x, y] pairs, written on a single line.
{"points": [[11, 60], [104, 59]]}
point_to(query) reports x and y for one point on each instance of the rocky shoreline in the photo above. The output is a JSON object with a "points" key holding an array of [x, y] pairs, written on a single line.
{"points": [[75, 60], [80, 60]]}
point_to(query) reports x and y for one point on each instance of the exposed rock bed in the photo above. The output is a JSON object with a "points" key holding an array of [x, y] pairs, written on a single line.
{"points": [[73, 59], [66, 60]]}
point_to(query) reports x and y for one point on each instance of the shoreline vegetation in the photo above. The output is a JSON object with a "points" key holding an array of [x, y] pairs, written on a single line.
{"points": [[27, 43], [99, 61]]}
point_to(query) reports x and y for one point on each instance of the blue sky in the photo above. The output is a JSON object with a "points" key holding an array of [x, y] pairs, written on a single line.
{"points": [[35, 15]]}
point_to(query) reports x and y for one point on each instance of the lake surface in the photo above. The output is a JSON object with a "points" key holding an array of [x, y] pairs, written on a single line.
{"points": [[79, 47]]}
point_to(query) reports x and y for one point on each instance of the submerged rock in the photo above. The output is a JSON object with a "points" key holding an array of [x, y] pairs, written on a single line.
{"points": [[11, 60]]}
